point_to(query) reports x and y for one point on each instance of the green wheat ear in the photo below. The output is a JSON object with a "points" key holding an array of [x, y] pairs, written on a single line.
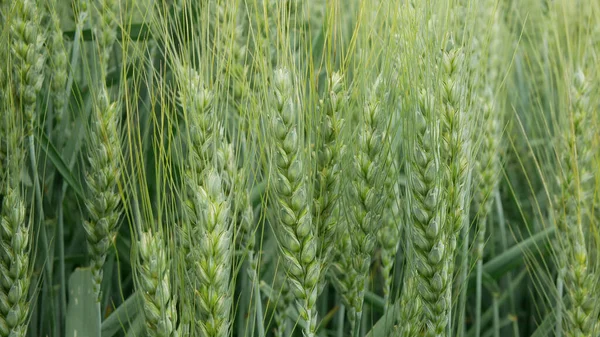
{"points": [[27, 43], [102, 179], [155, 284], [58, 65], [14, 266], [426, 218], [14, 238], [296, 234], [329, 165], [576, 187], [209, 244]]}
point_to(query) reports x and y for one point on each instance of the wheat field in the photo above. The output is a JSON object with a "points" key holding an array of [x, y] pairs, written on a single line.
{"points": [[315, 168]]}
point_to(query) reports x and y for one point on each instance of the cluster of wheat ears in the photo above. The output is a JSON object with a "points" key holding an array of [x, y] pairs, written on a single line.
{"points": [[311, 168]]}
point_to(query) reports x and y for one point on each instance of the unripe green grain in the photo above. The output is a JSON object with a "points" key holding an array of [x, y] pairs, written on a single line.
{"points": [[455, 139], [105, 31], [284, 301], [456, 153], [14, 231], [155, 285], [389, 235], [410, 309], [364, 207], [487, 165], [577, 186], [327, 182], [57, 65], [208, 229], [14, 266], [27, 42], [484, 100], [235, 183], [294, 229], [102, 179], [426, 218], [212, 256]]}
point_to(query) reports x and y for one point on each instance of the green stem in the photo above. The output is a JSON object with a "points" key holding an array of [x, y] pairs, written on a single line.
{"points": [[39, 220], [75, 53], [559, 304], [356, 326], [61, 255], [463, 281], [496, 307], [39, 206], [479, 273], [258, 299], [504, 236], [340, 319], [478, 292]]}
